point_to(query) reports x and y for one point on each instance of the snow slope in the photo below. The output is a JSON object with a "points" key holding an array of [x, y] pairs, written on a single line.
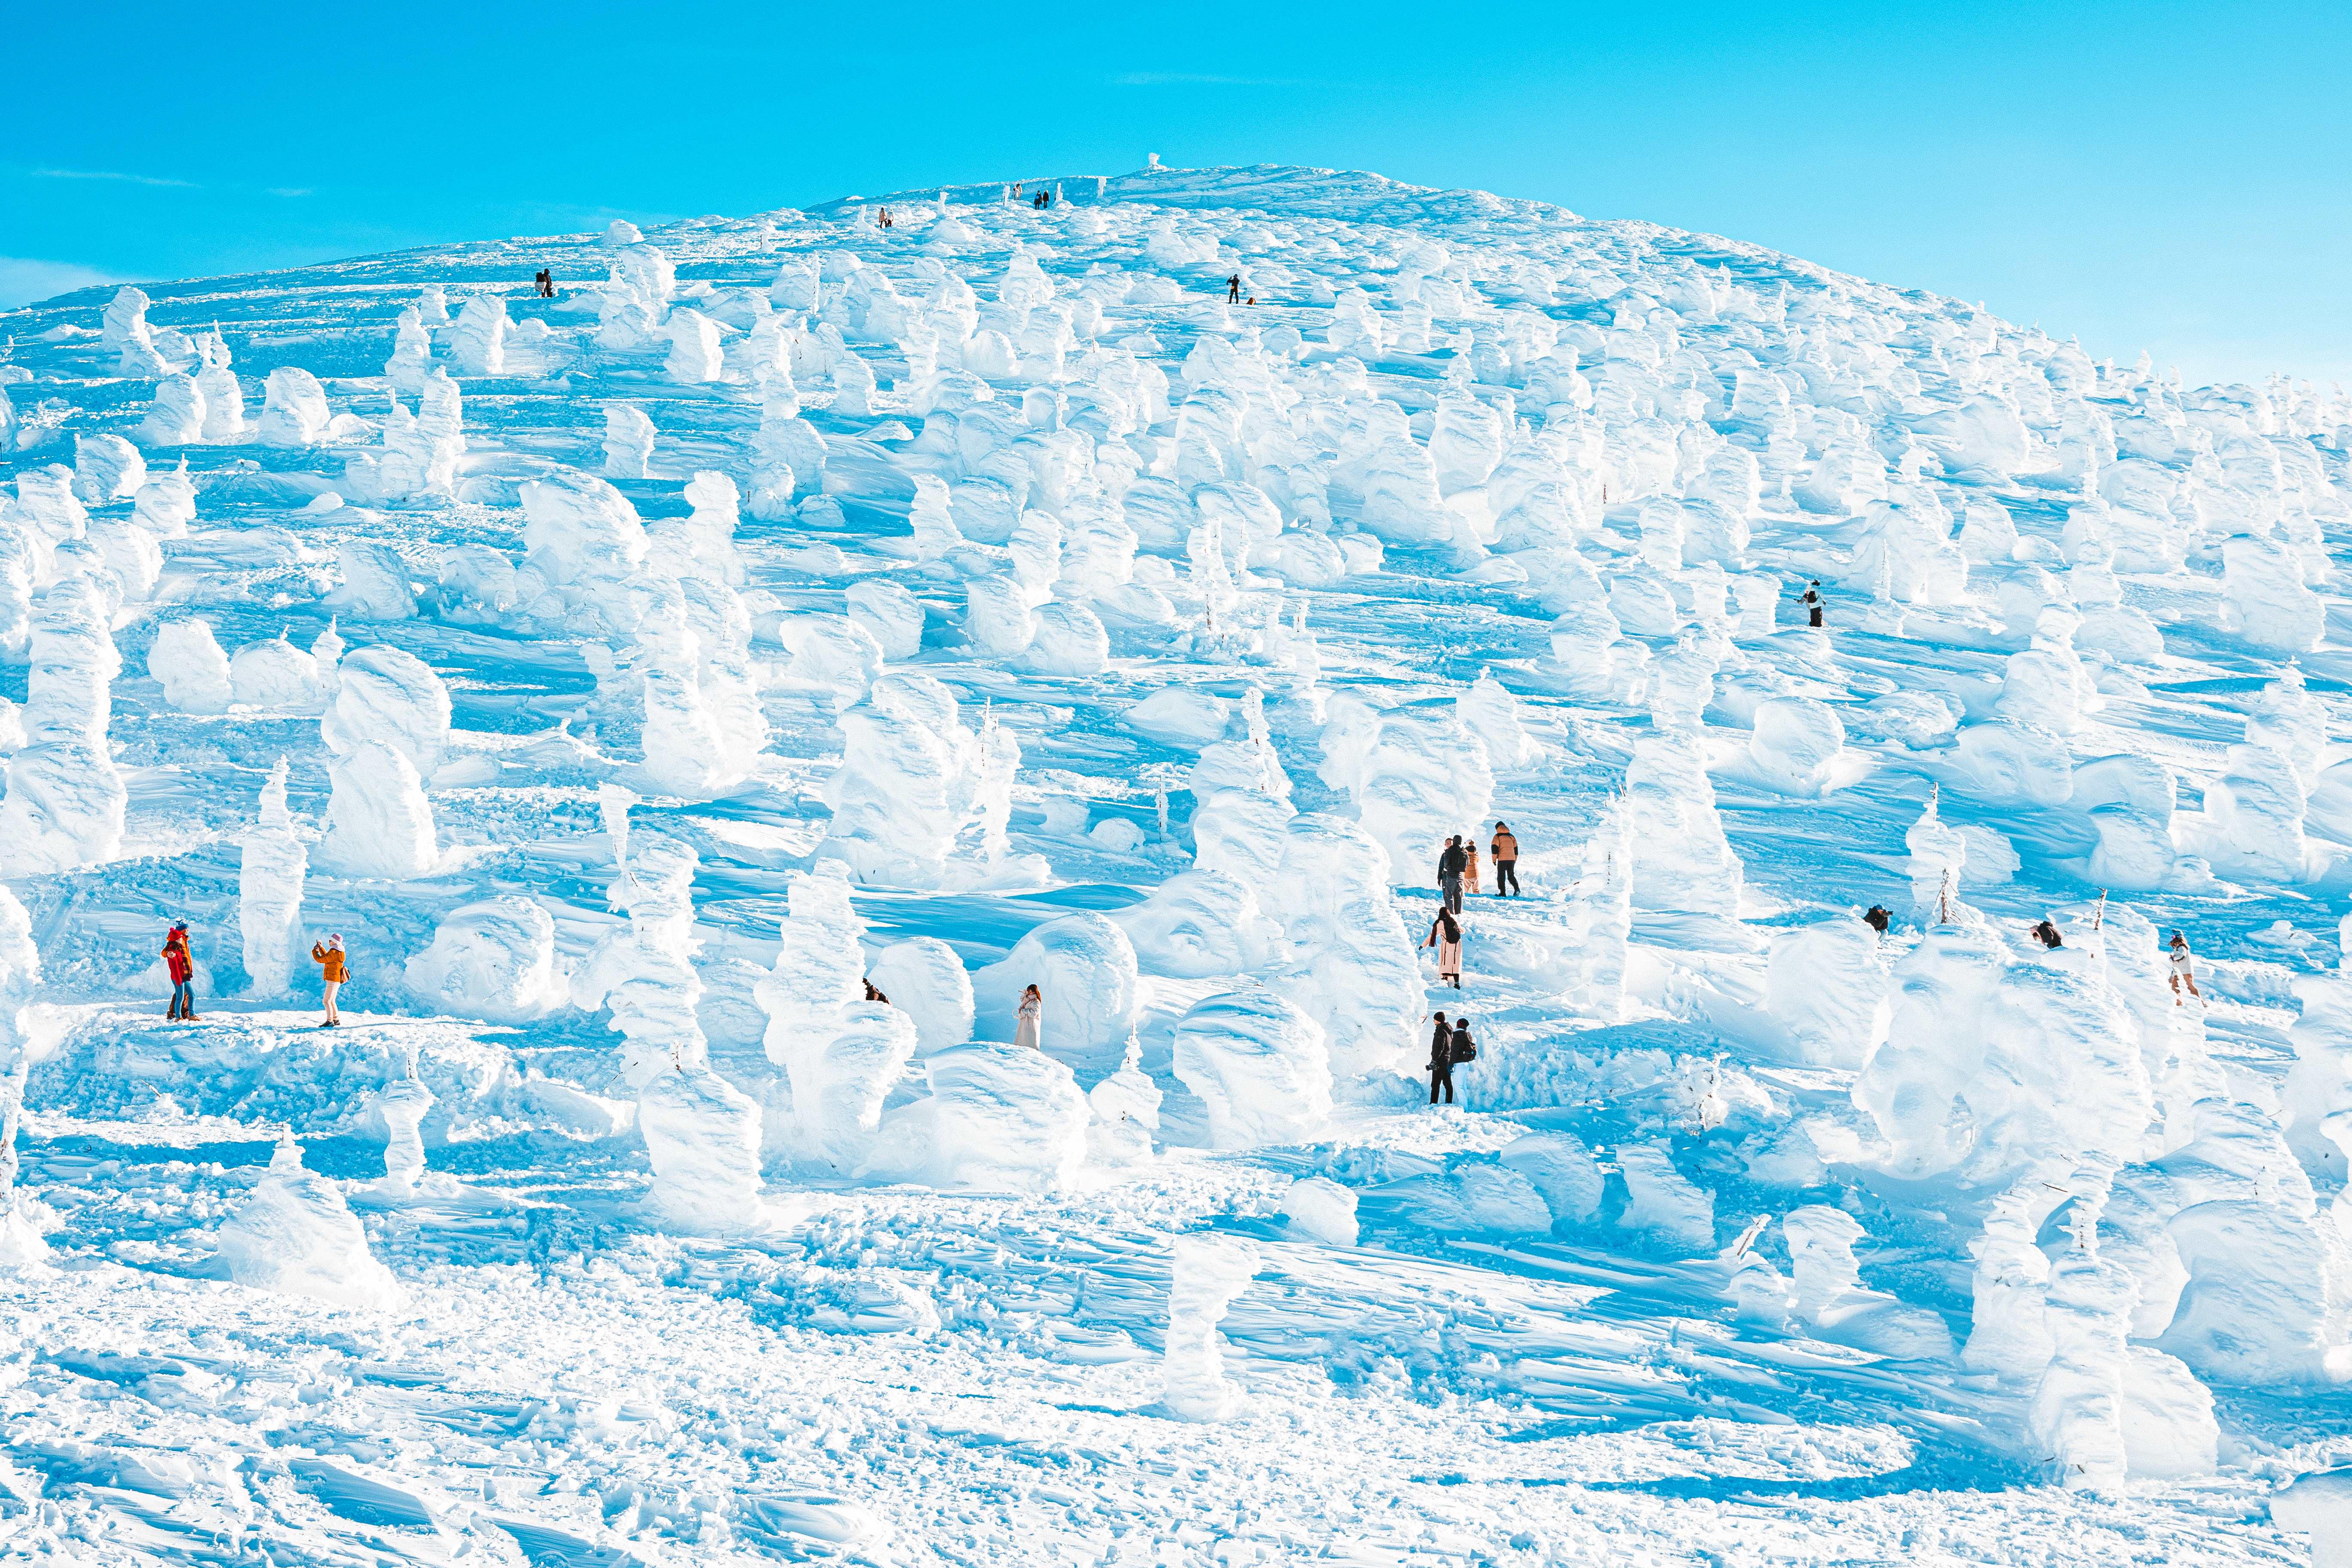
{"points": [[984, 601]]}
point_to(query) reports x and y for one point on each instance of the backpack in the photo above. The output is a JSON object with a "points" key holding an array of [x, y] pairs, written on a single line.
{"points": [[1464, 1051]]}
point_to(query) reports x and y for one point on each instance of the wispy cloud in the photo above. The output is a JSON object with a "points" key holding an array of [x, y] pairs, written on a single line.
{"points": [[110, 175], [1183, 78], [305, 191], [24, 280]]}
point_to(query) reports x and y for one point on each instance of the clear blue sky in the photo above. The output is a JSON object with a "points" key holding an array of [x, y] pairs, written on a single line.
{"points": [[2164, 176]]}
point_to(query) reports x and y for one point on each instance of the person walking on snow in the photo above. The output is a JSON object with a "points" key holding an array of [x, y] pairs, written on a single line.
{"points": [[1506, 860], [333, 970], [1032, 1006], [1234, 290], [1464, 1050], [1470, 866], [2182, 973], [1813, 602], [1445, 936], [1441, 1061], [1450, 867], [181, 964]]}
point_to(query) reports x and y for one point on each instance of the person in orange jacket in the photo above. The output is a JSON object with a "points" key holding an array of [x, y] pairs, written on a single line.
{"points": [[333, 970], [183, 966], [1506, 846]]}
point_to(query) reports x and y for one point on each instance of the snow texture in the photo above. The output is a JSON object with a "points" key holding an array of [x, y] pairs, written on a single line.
{"points": [[795, 605]]}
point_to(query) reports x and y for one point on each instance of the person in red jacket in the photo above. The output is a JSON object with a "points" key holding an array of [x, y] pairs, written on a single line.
{"points": [[183, 965]]}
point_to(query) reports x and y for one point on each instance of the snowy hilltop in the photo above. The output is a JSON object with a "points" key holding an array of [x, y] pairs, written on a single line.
{"points": [[883, 777]]}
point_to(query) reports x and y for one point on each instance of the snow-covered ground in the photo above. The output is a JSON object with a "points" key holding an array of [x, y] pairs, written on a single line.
{"points": [[793, 603]]}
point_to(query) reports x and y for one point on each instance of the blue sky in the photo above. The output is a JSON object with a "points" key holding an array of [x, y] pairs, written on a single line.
{"points": [[2164, 176]]}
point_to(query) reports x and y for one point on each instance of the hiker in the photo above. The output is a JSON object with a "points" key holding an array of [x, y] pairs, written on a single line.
{"points": [[884, 217], [183, 966], [1450, 867], [1032, 1005], [1470, 866], [1813, 601], [1878, 917], [2047, 934], [1234, 290], [1465, 1048], [873, 992], [1441, 1061], [2182, 974], [333, 970], [1445, 936], [1506, 846]]}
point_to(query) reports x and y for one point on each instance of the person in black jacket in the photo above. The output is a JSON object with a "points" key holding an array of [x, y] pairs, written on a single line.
{"points": [[1441, 1061], [1463, 1050], [2046, 933], [1450, 867]]}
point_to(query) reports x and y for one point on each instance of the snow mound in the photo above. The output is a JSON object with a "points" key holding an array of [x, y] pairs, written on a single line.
{"points": [[494, 959], [1259, 1064], [1085, 969], [1197, 924], [296, 1236], [999, 1118], [925, 979]]}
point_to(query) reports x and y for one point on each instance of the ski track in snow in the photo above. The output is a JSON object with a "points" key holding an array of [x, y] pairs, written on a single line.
{"points": [[1600, 459]]}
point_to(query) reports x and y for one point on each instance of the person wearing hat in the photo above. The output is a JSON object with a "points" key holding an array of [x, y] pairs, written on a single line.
{"points": [[183, 966], [1506, 846], [1812, 602], [332, 971], [2183, 973]]}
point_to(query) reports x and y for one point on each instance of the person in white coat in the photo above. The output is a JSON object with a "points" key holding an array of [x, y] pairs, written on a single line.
{"points": [[1033, 1003], [2183, 971]]}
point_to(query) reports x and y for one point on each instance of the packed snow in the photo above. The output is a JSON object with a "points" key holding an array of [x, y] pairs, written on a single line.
{"points": [[706, 701]]}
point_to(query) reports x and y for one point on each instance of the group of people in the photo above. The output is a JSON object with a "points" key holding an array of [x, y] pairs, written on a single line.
{"points": [[2182, 963], [1457, 865], [1457, 873], [1448, 1044], [2176, 956], [180, 963]]}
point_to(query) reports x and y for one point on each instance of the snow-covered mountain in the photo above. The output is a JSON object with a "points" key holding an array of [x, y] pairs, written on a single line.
{"points": [[704, 699]]}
